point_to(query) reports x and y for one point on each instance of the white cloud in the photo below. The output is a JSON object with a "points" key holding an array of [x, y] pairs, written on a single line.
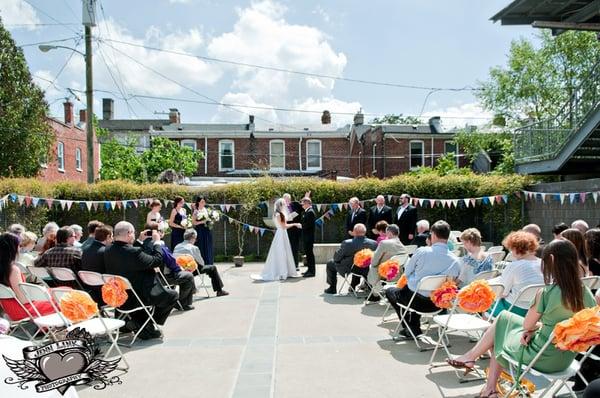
{"points": [[180, 1], [17, 12], [318, 106], [469, 113], [43, 79], [322, 13], [240, 114]]}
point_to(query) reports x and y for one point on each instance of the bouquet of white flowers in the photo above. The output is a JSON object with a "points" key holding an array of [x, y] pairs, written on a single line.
{"points": [[186, 223], [208, 216]]}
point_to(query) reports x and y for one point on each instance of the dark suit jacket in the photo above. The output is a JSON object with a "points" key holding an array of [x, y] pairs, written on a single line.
{"points": [[308, 225], [134, 264], [376, 216], [294, 233], [359, 218], [407, 223], [344, 256], [420, 239], [92, 258]]}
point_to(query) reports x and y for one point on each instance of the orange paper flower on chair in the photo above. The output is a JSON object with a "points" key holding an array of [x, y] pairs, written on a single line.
{"points": [[78, 306], [187, 262], [579, 332], [476, 296], [403, 281], [114, 292], [444, 295], [388, 270], [362, 258]]}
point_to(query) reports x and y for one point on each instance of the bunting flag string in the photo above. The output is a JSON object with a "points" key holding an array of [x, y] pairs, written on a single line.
{"points": [[562, 197], [247, 227]]}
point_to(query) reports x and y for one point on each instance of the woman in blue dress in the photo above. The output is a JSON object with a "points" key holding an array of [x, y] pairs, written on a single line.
{"points": [[202, 223], [177, 221]]}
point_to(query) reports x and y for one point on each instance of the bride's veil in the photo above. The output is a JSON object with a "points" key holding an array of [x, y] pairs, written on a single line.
{"points": [[281, 207]]}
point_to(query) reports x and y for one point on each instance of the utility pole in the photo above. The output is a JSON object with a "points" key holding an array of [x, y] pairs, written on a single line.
{"points": [[89, 20]]}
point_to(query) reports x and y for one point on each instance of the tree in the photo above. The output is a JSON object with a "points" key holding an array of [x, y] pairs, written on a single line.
{"points": [[396, 119], [537, 81], [121, 161], [167, 154], [498, 145], [25, 137]]}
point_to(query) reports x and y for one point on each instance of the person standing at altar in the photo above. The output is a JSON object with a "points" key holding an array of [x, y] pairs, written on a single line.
{"points": [[177, 219], [295, 216], [406, 219], [356, 215], [202, 220], [379, 212]]}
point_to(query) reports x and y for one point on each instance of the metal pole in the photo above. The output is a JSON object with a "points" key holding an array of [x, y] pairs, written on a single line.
{"points": [[89, 94]]}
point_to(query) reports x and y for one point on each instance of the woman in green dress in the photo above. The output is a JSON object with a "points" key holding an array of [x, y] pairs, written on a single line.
{"points": [[563, 295]]}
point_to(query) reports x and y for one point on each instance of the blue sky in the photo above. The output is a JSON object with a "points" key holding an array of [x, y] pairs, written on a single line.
{"points": [[431, 43]]}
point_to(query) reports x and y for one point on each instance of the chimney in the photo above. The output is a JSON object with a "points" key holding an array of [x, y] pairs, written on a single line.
{"points": [[359, 118], [82, 118], [435, 124], [326, 117], [174, 116], [251, 119], [68, 112], [108, 108]]}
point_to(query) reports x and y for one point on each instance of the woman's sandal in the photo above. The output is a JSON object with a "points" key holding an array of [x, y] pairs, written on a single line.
{"points": [[492, 394], [461, 365]]}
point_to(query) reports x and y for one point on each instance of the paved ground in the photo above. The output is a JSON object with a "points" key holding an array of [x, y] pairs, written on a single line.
{"points": [[282, 339]]}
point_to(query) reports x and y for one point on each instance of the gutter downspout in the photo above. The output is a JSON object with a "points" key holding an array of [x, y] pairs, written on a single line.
{"points": [[205, 155], [300, 154], [432, 153], [373, 169]]}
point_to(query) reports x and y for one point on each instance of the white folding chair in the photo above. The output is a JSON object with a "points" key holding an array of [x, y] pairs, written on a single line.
{"points": [[61, 274], [6, 293], [458, 321], [496, 256], [95, 280], [495, 249], [48, 325], [592, 282], [411, 249], [527, 294], [203, 284], [456, 235], [346, 281], [486, 275], [401, 259], [168, 285], [140, 306], [97, 326], [428, 283], [41, 273]]}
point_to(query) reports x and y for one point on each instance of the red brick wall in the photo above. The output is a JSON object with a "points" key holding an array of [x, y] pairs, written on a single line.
{"points": [[72, 137]]}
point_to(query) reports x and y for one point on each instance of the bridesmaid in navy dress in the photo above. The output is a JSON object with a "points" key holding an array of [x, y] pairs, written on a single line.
{"points": [[177, 215], [201, 220]]}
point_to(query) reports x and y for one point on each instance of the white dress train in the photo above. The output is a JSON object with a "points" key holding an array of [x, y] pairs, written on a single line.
{"points": [[280, 261]]}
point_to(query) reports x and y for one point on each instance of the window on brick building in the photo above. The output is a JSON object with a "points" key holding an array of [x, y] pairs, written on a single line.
{"points": [[78, 159], [313, 155], [451, 146], [226, 155], [60, 156], [277, 155], [417, 154], [190, 144]]}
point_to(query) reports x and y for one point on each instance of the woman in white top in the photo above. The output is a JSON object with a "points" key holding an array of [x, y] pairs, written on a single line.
{"points": [[524, 270], [476, 260]]}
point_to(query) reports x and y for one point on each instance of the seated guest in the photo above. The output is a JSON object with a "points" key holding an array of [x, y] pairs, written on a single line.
{"points": [[64, 254], [387, 249], [174, 274], [343, 259], [476, 260], [49, 229], [379, 231], [426, 261], [91, 228], [122, 258], [49, 243], [558, 228], [92, 258], [524, 270], [11, 276], [578, 240], [16, 229], [592, 250], [78, 233], [422, 234], [580, 225], [26, 245], [537, 232], [521, 338], [188, 247]]}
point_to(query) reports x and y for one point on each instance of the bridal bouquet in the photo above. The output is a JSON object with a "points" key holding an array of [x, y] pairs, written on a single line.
{"points": [[186, 223], [208, 216], [163, 226]]}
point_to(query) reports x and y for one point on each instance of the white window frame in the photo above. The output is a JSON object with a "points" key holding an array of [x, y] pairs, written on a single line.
{"points": [[312, 168], [186, 143], [410, 155], [282, 142], [78, 159], [60, 156], [222, 142], [455, 151]]}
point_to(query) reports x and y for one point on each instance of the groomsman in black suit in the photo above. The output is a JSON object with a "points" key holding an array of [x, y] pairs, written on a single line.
{"points": [[406, 219], [294, 233], [378, 213], [356, 215], [308, 236]]}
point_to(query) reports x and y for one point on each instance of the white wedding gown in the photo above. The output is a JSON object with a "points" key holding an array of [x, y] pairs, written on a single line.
{"points": [[280, 262]]}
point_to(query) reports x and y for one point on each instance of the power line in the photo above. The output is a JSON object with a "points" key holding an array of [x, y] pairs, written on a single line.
{"points": [[18, 25], [51, 17], [64, 66], [50, 41], [277, 69]]}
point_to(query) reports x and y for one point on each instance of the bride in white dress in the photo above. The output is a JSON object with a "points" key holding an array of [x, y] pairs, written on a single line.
{"points": [[280, 261]]}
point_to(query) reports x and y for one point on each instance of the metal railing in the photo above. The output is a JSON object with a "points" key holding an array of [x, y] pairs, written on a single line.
{"points": [[545, 139]]}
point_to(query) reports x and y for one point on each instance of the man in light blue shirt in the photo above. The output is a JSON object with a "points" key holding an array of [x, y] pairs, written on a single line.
{"points": [[426, 261]]}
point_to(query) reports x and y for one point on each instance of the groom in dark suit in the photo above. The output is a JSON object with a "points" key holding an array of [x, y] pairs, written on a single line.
{"points": [[308, 236], [294, 232], [406, 219]]}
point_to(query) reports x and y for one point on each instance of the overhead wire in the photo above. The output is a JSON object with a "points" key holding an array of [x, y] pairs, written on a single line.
{"points": [[51, 17]]}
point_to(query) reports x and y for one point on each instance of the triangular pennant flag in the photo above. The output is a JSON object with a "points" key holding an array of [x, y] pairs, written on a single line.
{"points": [[113, 204], [582, 196], [499, 199], [63, 204], [444, 202], [572, 197], [49, 202], [473, 201], [107, 205], [518, 194], [432, 202], [319, 222], [251, 228], [222, 207], [543, 195], [166, 202], [562, 197], [135, 203], [492, 199], [95, 206], [13, 197], [415, 201], [89, 205], [505, 198], [21, 199], [69, 204], [35, 201], [27, 201], [455, 202], [262, 231], [467, 202], [421, 202], [119, 204], [595, 196], [389, 198], [485, 200]]}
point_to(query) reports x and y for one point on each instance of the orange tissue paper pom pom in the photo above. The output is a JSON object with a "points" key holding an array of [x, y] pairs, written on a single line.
{"points": [[443, 296], [114, 292], [187, 262], [403, 281], [78, 306], [362, 258], [389, 269], [579, 332], [477, 296]]}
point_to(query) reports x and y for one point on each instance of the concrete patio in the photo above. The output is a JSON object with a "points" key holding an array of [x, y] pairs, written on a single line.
{"points": [[282, 339]]}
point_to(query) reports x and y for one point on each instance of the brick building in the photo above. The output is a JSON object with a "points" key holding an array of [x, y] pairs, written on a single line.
{"points": [[67, 159]]}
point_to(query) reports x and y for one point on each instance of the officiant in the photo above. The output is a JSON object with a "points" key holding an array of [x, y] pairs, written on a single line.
{"points": [[295, 216]]}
